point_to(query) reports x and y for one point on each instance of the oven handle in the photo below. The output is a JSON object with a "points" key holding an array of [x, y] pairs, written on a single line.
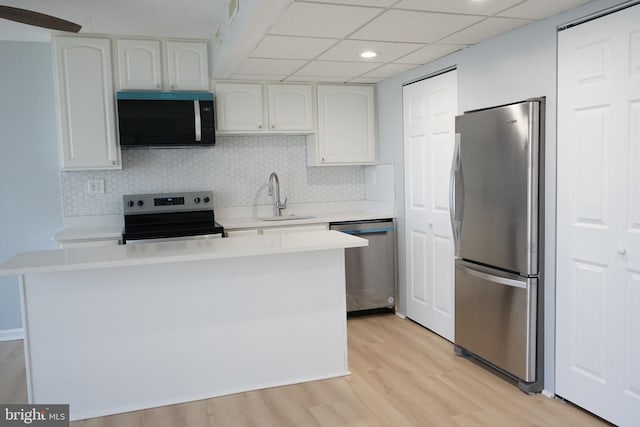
{"points": [[196, 108]]}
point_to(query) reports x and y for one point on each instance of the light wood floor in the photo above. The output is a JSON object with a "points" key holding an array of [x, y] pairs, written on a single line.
{"points": [[402, 375]]}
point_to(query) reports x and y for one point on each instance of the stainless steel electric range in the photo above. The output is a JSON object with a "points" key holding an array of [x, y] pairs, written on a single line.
{"points": [[169, 216]]}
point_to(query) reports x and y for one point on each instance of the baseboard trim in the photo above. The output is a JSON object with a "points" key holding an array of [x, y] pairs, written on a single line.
{"points": [[11, 334], [547, 393]]}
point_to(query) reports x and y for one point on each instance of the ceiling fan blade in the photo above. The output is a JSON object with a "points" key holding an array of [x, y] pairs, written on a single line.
{"points": [[37, 19]]}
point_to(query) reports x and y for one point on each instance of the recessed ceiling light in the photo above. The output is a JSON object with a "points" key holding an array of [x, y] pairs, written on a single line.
{"points": [[368, 54]]}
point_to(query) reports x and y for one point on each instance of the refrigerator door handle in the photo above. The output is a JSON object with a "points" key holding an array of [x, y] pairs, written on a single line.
{"points": [[456, 186], [492, 278]]}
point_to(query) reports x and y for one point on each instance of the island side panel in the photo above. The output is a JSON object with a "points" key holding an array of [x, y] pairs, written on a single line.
{"points": [[121, 339]]}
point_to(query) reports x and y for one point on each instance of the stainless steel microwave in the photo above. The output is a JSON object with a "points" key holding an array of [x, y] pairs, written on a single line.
{"points": [[165, 119]]}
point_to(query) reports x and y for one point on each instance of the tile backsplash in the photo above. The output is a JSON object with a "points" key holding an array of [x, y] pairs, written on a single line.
{"points": [[237, 169]]}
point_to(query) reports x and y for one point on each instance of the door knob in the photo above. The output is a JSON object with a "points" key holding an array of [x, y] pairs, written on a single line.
{"points": [[430, 224], [622, 251]]}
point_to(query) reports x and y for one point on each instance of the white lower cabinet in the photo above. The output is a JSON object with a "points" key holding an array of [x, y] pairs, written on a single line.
{"points": [[86, 106], [87, 243], [295, 229], [276, 230], [242, 233]]}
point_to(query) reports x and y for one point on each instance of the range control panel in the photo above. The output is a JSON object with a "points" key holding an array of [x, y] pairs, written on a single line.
{"points": [[167, 202]]}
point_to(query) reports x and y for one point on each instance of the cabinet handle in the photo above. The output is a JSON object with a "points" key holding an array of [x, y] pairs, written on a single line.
{"points": [[273, 126], [159, 86], [259, 126], [173, 86], [322, 159], [622, 251]]}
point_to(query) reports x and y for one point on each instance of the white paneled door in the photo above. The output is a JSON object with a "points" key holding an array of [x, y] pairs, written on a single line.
{"points": [[430, 107], [598, 253]]}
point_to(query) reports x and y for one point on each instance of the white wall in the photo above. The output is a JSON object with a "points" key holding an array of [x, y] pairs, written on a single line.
{"points": [[512, 67], [30, 205]]}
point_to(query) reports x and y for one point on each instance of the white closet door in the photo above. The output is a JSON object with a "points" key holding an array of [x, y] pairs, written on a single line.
{"points": [[598, 253], [430, 107]]}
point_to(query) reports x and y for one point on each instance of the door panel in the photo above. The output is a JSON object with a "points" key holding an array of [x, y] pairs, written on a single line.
{"points": [[429, 110], [598, 217]]}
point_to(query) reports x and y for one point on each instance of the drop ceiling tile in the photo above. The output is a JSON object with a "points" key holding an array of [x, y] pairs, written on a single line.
{"points": [[389, 70], [287, 47], [366, 80], [324, 79], [429, 53], [322, 20], [485, 8], [377, 3], [417, 27], [540, 9], [269, 66], [255, 77], [349, 50], [335, 68], [484, 30]]}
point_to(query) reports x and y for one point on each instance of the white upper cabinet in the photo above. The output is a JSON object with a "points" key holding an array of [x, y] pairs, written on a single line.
{"points": [[142, 65], [86, 106], [188, 65], [139, 64], [346, 126], [239, 107], [290, 107], [243, 108]]}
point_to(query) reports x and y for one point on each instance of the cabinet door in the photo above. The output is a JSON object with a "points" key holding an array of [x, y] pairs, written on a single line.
{"points": [[346, 125], [295, 229], [290, 107], [242, 233], [86, 106], [188, 65], [239, 107], [139, 64]]}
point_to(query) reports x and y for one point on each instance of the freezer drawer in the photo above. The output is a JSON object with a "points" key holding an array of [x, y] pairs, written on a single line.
{"points": [[370, 270], [496, 318]]}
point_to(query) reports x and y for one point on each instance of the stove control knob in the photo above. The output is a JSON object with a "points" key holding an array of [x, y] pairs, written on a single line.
{"points": [[140, 203], [207, 200], [197, 200], [130, 203]]}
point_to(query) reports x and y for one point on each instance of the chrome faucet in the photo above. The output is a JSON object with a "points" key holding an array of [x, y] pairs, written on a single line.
{"points": [[278, 206]]}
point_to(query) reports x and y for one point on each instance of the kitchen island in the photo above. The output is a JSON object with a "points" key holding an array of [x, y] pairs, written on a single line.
{"points": [[120, 328]]}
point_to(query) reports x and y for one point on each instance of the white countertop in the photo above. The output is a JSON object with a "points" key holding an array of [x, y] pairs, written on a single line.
{"points": [[175, 251], [110, 227], [239, 218]]}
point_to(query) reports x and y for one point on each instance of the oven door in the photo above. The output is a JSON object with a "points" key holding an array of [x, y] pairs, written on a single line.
{"points": [[170, 225]]}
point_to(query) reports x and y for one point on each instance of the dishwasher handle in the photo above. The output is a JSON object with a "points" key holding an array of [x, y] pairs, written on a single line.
{"points": [[368, 231]]}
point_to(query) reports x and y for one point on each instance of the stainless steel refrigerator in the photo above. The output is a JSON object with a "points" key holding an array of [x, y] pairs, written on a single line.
{"points": [[497, 186]]}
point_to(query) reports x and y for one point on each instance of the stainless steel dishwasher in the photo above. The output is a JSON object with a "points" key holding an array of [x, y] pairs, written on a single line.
{"points": [[371, 270]]}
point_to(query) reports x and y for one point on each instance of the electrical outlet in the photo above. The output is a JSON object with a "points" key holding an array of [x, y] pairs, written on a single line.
{"points": [[95, 186]]}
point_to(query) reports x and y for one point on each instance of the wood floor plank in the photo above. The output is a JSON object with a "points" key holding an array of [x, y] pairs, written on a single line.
{"points": [[402, 375]]}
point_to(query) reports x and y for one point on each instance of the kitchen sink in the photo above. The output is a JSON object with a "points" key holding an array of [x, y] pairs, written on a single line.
{"points": [[285, 217]]}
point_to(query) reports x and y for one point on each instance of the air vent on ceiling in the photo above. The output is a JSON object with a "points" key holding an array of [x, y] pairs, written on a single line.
{"points": [[233, 9]]}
